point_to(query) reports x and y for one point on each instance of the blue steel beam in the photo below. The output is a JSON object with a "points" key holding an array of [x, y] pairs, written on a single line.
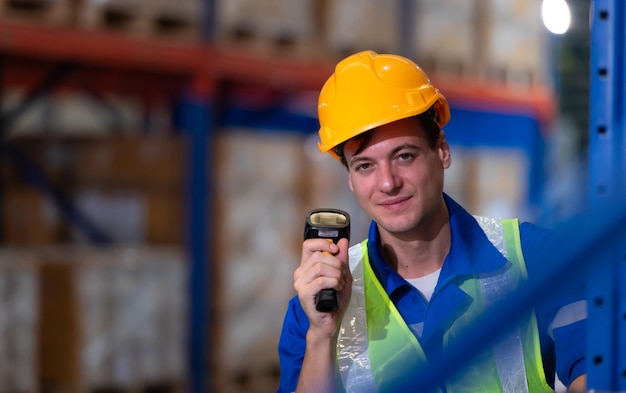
{"points": [[209, 20], [593, 244], [49, 82], [576, 245], [63, 202], [30, 172], [606, 287], [195, 118], [406, 28]]}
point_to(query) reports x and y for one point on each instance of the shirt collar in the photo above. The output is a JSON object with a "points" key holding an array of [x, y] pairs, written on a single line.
{"points": [[471, 253]]}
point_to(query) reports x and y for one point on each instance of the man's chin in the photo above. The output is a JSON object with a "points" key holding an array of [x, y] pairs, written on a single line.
{"points": [[397, 227]]}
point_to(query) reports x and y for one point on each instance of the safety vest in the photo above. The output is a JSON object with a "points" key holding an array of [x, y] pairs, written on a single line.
{"points": [[377, 351]]}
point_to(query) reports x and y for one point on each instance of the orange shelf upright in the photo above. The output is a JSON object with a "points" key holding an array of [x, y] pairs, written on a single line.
{"points": [[202, 65]]}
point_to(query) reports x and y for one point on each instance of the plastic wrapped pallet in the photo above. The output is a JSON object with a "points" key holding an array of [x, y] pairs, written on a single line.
{"points": [[18, 321], [129, 187], [327, 186], [516, 41], [125, 312], [29, 218], [489, 181], [268, 26], [53, 12], [258, 227], [152, 18], [355, 25], [445, 35]]}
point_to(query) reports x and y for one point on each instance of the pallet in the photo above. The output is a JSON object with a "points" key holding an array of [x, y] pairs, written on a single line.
{"points": [[51, 12], [283, 45], [252, 380], [168, 387], [355, 25], [269, 27], [514, 44], [19, 280], [458, 68], [514, 77], [158, 19]]}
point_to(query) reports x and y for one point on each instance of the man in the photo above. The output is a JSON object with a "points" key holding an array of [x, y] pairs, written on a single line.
{"points": [[427, 269]]}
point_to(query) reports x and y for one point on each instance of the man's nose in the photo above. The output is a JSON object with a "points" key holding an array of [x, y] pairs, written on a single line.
{"points": [[388, 180]]}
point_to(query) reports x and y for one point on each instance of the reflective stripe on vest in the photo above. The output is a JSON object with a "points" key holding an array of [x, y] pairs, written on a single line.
{"points": [[375, 347]]}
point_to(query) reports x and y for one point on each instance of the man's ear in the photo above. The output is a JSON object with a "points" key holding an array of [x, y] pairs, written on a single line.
{"points": [[444, 151], [350, 182]]}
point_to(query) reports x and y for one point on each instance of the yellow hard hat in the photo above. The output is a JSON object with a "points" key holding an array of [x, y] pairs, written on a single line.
{"points": [[369, 90]]}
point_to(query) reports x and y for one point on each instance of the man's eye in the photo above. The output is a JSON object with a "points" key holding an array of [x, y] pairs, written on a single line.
{"points": [[363, 167], [405, 156]]}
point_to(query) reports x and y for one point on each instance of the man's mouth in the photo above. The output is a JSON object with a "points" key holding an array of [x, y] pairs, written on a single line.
{"points": [[395, 203]]}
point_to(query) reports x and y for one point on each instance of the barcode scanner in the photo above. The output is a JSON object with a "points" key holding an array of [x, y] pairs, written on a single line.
{"points": [[331, 224]]}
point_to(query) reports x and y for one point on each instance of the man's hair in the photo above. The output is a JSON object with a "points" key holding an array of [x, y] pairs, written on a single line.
{"points": [[426, 121]]}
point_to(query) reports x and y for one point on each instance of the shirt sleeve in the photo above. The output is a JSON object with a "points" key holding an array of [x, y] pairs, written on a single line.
{"points": [[561, 315], [292, 345]]}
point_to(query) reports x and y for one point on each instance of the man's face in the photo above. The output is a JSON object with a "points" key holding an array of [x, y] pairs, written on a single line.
{"points": [[397, 177]]}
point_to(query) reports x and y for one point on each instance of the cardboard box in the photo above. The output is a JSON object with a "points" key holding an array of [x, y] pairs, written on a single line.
{"points": [[271, 27], [28, 218], [137, 161], [112, 318], [356, 25], [516, 43], [151, 18], [258, 227], [19, 289], [131, 188], [489, 181], [446, 36], [53, 12]]}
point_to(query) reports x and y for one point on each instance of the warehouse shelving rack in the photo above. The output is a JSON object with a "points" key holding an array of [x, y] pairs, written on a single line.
{"points": [[193, 76], [197, 78], [606, 348], [41, 59]]}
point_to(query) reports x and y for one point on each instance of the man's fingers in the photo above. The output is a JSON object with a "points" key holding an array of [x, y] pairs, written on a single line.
{"points": [[311, 246]]}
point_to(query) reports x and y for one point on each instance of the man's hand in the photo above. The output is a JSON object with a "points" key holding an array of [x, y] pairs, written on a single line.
{"points": [[323, 265], [578, 385]]}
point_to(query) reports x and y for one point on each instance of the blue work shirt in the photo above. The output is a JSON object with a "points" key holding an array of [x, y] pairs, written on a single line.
{"points": [[470, 254]]}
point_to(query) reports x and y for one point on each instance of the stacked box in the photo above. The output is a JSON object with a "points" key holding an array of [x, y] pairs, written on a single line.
{"points": [[258, 227], [489, 181], [175, 19], [516, 42], [327, 186], [123, 161], [18, 321], [356, 25], [113, 318], [131, 188], [143, 177], [446, 36], [152, 18], [77, 113], [28, 218], [52, 12], [269, 26]]}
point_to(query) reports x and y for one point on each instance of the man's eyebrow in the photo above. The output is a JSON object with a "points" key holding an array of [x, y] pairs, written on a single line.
{"points": [[406, 146], [356, 159]]}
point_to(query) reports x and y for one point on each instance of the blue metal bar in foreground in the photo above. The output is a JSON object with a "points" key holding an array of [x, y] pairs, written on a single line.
{"points": [[196, 119], [606, 286], [577, 244], [592, 245]]}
